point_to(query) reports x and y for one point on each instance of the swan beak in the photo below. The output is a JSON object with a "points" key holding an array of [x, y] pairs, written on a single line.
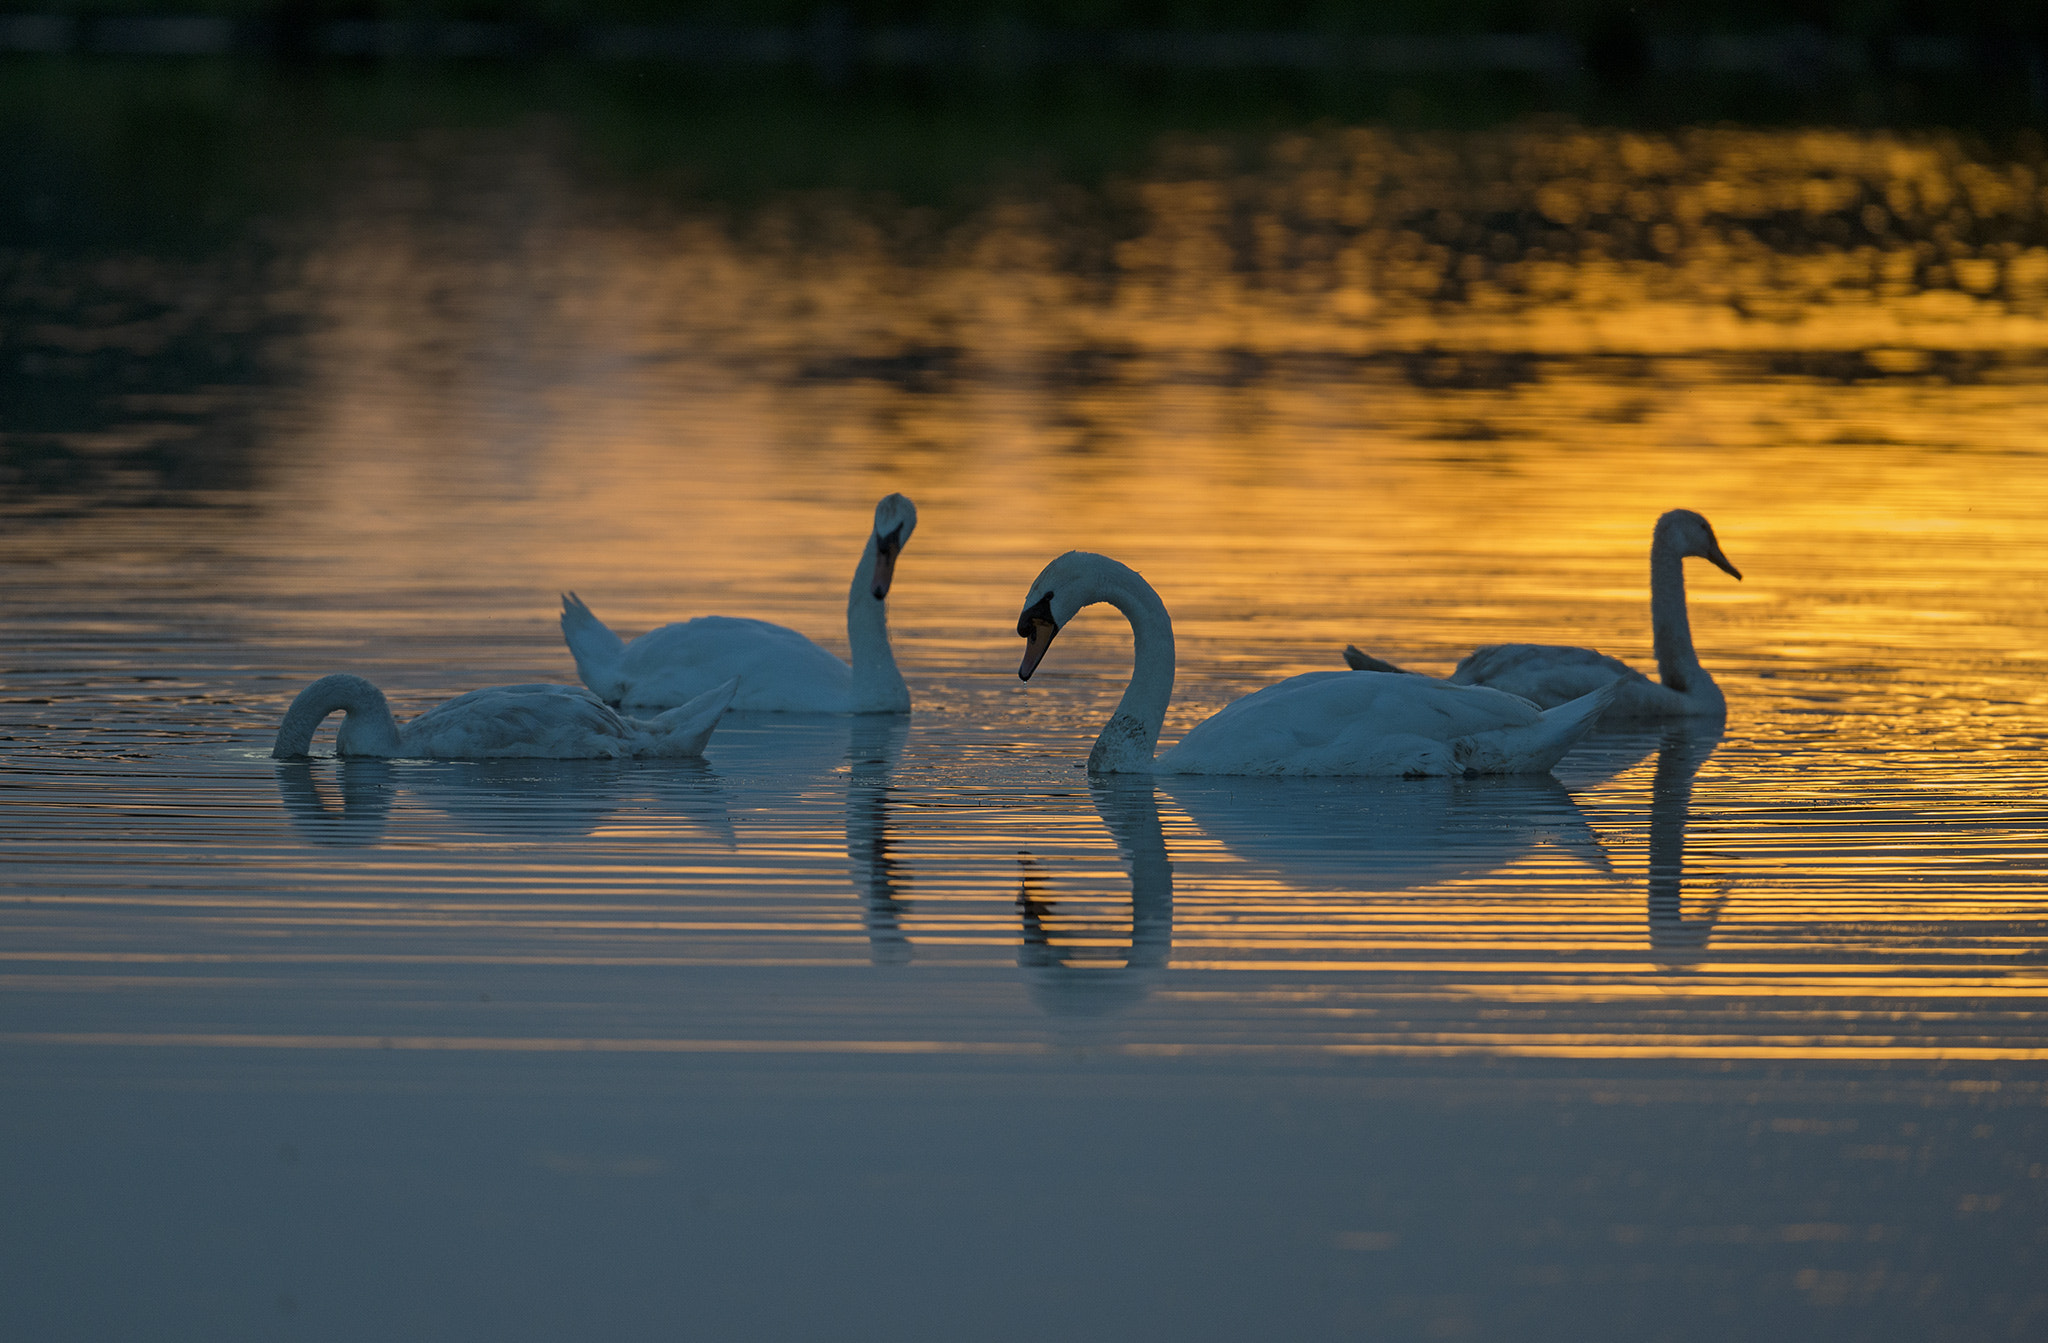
{"points": [[886, 550], [1040, 636], [1721, 561], [1038, 626]]}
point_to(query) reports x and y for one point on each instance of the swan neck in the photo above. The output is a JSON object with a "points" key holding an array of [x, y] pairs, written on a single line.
{"points": [[367, 727], [1678, 666], [877, 686], [1132, 733]]}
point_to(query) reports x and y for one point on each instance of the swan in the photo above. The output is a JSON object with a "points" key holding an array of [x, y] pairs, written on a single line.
{"points": [[544, 722], [1548, 674], [1316, 723], [780, 670]]}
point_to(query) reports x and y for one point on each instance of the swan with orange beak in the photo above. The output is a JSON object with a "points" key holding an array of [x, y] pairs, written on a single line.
{"points": [[1319, 723]]}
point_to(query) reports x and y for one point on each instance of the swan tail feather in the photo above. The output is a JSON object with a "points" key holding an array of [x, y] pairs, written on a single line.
{"points": [[1360, 660], [685, 729], [1535, 747], [598, 652]]}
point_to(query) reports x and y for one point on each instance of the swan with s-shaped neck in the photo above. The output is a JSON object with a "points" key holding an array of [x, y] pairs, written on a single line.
{"points": [[1318, 723], [1550, 674], [780, 670]]}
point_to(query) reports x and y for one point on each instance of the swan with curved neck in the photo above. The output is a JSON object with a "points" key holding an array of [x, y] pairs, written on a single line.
{"points": [[780, 670], [1334, 723], [541, 722], [1550, 674]]}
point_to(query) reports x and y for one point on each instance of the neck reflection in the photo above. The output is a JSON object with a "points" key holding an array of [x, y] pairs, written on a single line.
{"points": [[1071, 972], [366, 787], [874, 747], [1674, 938]]}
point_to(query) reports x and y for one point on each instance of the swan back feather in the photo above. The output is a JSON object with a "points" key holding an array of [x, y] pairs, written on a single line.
{"points": [[1373, 723], [779, 670], [537, 721], [534, 721]]}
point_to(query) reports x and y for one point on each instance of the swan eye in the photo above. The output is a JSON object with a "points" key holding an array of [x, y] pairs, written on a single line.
{"points": [[1039, 612]]}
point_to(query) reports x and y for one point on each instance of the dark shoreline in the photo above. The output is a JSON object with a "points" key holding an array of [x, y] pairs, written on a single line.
{"points": [[1793, 54]]}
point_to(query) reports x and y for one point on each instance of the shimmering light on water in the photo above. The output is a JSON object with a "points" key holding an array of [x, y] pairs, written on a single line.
{"points": [[1416, 391]]}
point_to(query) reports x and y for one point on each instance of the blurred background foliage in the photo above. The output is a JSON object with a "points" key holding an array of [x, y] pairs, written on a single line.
{"points": [[1871, 18], [155, 200]]}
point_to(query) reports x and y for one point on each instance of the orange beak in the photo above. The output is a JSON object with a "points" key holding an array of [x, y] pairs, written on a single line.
{"points": [[1040, 636], [1722, 561]]}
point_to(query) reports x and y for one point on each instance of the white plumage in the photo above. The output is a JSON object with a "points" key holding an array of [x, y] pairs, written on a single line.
{"points": [[1551, 674], [779, 670], [545, 722], [1319, 723]]}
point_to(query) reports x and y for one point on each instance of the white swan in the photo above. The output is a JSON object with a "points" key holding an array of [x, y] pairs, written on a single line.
{"points": [[1317, 723], [1550, 674], [780, 670], [542, 722]]}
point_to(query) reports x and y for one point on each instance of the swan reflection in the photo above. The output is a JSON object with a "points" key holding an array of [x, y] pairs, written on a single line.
{"points": [[1069, 973], [1386, 835], [1681, 750], [522, 799], [509, 799], [366, 792], [874, 747]]}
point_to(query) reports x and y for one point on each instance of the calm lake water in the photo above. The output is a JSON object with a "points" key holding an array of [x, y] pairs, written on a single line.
{"points": [[909, 1029]]}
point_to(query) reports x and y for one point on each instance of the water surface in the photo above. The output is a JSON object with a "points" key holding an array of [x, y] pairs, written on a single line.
{"points": [[911, 1029]]}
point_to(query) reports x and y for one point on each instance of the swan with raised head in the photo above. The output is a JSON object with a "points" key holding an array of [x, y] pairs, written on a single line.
{"points": [[1551, 674], [780, 670], [1316, 723], [538, 722]]}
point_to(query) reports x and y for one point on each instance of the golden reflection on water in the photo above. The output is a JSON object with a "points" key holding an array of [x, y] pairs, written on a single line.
{"points": [[1416, 392], [1271, 402]]}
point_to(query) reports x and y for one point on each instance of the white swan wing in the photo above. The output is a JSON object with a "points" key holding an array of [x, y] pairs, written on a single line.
{"points": [[1546, 675], [779, 670], [596, 649], [1346, 723], [684, 730], [541, 722]]}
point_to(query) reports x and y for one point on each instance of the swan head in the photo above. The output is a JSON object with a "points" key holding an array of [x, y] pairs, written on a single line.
{"points": [[1687, 533], [895, 520], [1061, 589]]}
